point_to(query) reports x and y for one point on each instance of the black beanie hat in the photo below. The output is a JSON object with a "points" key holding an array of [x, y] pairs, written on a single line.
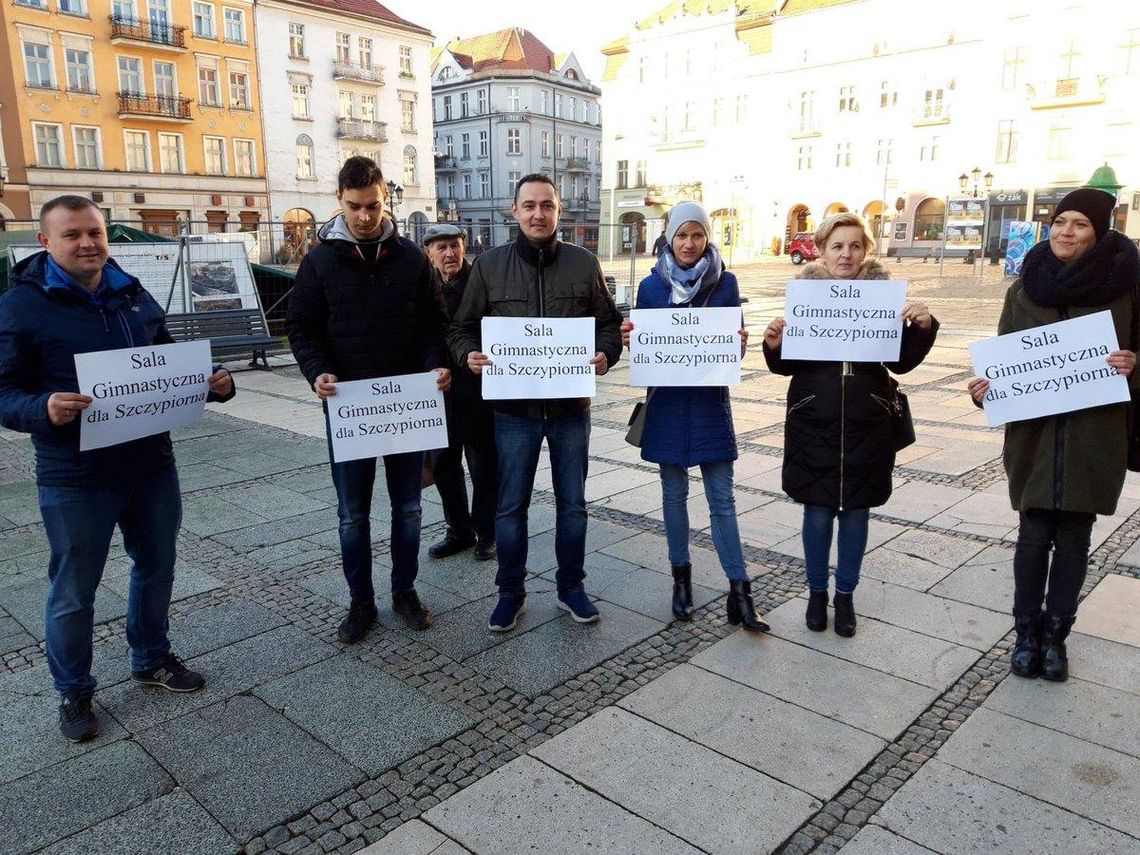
{"points": [[1095, 204]]}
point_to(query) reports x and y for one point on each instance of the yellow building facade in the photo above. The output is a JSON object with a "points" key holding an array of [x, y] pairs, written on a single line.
{"points": [[150, 107]]}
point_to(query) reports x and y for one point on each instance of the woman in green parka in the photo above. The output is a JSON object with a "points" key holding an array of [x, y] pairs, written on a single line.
{"points": [[1065, 469]]}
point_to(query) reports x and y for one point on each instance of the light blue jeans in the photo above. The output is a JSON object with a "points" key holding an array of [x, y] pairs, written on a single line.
{"points": [[722, 511]]}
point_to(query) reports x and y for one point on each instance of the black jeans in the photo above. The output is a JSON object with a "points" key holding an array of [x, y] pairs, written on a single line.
{"points": [[1068, 534], [474, 434]]}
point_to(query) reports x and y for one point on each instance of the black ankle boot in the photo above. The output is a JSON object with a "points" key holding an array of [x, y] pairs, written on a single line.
{"points": [[742, 608], [1025, 659], [683, 592], [817, 611], [1054, 656], [844, 614]]}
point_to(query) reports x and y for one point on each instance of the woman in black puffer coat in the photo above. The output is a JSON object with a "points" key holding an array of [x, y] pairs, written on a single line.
{"points": [[839, 449]]}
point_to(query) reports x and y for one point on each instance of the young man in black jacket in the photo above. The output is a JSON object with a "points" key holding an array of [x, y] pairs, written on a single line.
{"points": [[364, 305], [538, 276]]}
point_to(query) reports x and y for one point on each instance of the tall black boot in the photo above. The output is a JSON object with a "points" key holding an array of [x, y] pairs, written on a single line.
{"points": [[1025, 659], [816, 616], [683, 592], [844, 614], [1054, 656], [742, 608]]}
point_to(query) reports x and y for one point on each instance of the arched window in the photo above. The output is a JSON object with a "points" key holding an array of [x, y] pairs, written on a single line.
{"points": [[304, 150], [417, 225], [928, 219], [571, 74], [410, 169]]}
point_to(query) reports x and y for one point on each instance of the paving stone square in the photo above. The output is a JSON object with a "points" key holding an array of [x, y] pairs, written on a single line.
{"points": [[25, 602], [1110, 610], [414, 838]]}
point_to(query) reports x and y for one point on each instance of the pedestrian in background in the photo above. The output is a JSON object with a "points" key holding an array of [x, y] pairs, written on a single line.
{"points": [[688, 426], [839, 451], [1065, 469]]}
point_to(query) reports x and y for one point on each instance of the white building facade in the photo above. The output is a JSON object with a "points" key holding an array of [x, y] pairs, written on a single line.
{"points": [[495, 125], [337, 82], [777, 115]]}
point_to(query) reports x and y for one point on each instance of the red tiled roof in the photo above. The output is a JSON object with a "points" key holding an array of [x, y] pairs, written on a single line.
{"points": [[509, 48], [365, 8]]}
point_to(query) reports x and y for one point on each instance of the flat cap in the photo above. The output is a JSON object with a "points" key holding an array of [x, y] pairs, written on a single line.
{"points": [[442, 230]]}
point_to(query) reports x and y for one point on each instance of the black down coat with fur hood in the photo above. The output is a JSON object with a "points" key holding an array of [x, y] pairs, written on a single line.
{"points": [[838, 444]]}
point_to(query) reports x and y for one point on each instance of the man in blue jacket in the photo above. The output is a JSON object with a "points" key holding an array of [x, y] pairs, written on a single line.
{"points": [[73, 298]]}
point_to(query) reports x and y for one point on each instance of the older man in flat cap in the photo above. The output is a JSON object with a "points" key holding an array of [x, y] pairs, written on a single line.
{"points": [[470, 422]]}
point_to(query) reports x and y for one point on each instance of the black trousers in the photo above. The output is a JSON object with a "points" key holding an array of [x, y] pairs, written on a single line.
{"points": [[472, 433], [1068, 534]]}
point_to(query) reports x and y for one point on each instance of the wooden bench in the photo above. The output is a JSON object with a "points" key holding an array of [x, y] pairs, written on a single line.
{"points": [[229, 331]]}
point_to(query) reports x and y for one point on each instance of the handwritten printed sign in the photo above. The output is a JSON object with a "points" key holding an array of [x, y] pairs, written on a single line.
{"points": [[685, 347], [843, 320], [1056, 368], [389, 415], [538, 358], [141, 391]]}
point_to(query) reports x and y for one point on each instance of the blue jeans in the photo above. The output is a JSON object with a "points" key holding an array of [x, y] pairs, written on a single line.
{"points": [[817, 546], [722, 512], [79, 522], [354, 480], [519, 441]]}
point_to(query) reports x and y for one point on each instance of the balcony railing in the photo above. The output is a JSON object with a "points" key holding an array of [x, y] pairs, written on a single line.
{"points": [[443, 163], [1066, 92], [362, 129], [356, 71], [1067, 88], [147, 31], [162, 106], [577, 164]]}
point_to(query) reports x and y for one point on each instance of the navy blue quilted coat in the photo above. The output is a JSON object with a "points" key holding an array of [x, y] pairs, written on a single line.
{"points": [[688, 425]]}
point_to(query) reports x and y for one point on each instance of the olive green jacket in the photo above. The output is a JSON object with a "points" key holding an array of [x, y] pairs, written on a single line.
{"points": [[1074, 461]]}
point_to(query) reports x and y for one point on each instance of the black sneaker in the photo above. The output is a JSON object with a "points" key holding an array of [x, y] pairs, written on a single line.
{"points": [[451, 545], [77, 720], [361, 616], [171, 675], [409, 607], [485, 550]]}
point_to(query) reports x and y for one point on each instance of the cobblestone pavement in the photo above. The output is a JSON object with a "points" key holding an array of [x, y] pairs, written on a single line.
{"points": [[633, 735]]}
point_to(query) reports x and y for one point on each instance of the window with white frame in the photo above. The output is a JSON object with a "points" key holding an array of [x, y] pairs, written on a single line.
{"points": [[203, 19], [932, 103], [88, 151], [846, 99], [239, 86], [449, 187], [130, 75], [513, 178], [484, 144], [244, 158], [558, 104], [165, 83], [215, 155], [807, 111], [411, 165], [136, 144], [598, 152], [1128, 54], [78, 69], [481, 101], [1006, 141], [558, 145], [1012, 61], [345, 105], [37, 65], [544, 143], [843, 154], [803, 158], [512, 98], [408, 115], [300, 99], [690, 115], [573, 108], [586, 153], [208, 86], [449, 146], [368, 107], [365, 46], [466, 185], [465, 146], [170, 157], [123, 10], [235, 25], [928, 151], [303, 152], [573, 146], [446, 107], [888, 95], [1058, 142], [742, 108], [514, 141], [343, 47], [72, 7], [640, 174], [885, 152], [405, 61], [35, 4], [464, 105], [49, 144], [622, 174], [484, 185], [296, 40], [544, 102]]}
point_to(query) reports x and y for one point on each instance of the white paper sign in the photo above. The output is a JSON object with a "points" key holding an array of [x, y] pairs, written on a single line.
{"points": [[141, 391], [388, 415], [843, 320], [685, 347], [1057, 368], [538, 358]]}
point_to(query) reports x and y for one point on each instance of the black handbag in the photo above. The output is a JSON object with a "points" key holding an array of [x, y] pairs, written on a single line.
{"points": [[637, 421], [902, 425]]}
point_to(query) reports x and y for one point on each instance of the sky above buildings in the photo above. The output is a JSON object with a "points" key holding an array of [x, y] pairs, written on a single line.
{"points": [[581, 26]]}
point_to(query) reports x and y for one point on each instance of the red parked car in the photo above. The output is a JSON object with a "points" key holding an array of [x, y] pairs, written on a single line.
{"points": [[802, 248]]}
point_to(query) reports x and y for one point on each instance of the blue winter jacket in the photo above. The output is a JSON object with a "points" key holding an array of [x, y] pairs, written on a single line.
{"points": [[688, 425], [45, 319]]}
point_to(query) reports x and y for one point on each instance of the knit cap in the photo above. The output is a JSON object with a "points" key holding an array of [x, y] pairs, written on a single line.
{"points": [[687, 212], [1093, 203]]}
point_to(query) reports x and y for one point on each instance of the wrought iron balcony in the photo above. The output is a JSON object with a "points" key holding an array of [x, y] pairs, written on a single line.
{"points": [[356, 71], [154, 106], [443, 163], [362, 129], [577, 164], [148, 32]]}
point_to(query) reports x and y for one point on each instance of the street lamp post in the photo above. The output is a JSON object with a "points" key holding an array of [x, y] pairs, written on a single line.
{"points": [[973, 178]]}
